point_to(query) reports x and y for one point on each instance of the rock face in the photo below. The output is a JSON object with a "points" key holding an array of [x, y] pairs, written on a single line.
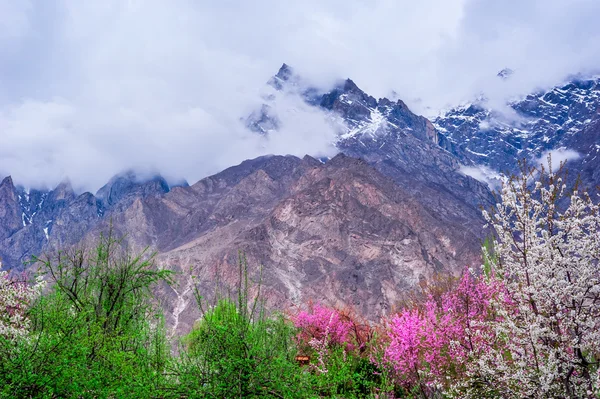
{"points": [[587, 166], [10, 220], [124, 188], [562, 118], [339, 232], [33, 221]]}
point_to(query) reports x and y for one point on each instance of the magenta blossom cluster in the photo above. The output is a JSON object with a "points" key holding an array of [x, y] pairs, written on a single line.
{"points": [[427, 344], [323, 324]]}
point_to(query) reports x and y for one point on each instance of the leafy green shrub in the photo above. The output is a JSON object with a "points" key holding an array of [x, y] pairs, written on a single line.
{"points": [[237, 351], [95, 333]]}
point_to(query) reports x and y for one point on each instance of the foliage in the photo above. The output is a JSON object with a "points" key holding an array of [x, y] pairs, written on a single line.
{"points": [[322, 327], [340, 346], [529, 324], [526, 325], [237, 351], [95, 333]]}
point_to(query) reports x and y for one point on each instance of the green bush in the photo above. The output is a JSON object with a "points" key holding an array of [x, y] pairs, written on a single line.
{"points": [[237, 351], [347, 376], [95, 332]]}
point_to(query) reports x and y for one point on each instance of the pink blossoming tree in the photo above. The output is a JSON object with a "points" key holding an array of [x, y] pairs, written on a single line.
{"points": [[429, 347]]}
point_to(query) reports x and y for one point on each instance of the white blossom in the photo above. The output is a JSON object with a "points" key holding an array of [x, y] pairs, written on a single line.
{"points": [[547, 251], [15, 298]]}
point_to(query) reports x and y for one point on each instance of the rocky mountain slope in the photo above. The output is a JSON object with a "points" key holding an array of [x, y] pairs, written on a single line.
{"points": [[339, 232], [561, 119]]}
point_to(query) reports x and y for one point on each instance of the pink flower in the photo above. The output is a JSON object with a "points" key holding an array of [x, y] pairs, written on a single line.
{"points": [[322, 323], [429, 343]]}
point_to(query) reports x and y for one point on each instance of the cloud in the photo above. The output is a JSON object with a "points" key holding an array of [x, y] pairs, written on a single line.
{"points": [[484, 174], [543, 41], [556, 157], [144, 85], [88, 89], [14, 22]]}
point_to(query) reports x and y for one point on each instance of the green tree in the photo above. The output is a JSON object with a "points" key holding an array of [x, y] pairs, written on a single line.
{"points": [[96, 332], [238, 351]]}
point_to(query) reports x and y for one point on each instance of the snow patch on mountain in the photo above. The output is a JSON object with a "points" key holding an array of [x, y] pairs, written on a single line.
{"points": [[371, 126], [529, 128]]}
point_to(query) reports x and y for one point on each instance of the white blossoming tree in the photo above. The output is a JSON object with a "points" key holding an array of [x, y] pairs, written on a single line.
{"points": [[15, 299], [547, 252]]}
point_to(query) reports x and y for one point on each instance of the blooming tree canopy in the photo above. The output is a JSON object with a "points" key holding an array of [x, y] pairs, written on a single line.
{"points": [[431, 346], [15, 298], [547, 251]]}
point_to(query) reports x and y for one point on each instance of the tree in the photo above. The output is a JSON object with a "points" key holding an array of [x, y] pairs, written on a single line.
{"points": [[547, 252], [16, 296], [95, 333], [340, 347], [431, 345], [238, 350]]}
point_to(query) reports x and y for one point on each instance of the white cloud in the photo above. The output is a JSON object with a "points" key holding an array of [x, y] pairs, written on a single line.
{"points": [[90, 88], [14, 22], [484, 174], [556, 157]]}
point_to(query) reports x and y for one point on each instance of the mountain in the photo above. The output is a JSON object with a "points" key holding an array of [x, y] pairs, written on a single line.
{"points": [[473, 139], [587, 145], [388, 135], [37, 221], [10, 215], [339, 232], [125, 187], [562, 119], [393, 207]]}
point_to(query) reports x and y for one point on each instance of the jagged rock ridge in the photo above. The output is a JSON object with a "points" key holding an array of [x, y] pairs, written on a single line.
{"points": [[35, 221], [557, 119]]}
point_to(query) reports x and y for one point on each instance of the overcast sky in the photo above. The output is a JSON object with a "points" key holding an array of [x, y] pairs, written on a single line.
{"points": [[92, 87]]}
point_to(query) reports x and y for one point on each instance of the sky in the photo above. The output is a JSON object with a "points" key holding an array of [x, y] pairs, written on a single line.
{"points": [[89, 88]]}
